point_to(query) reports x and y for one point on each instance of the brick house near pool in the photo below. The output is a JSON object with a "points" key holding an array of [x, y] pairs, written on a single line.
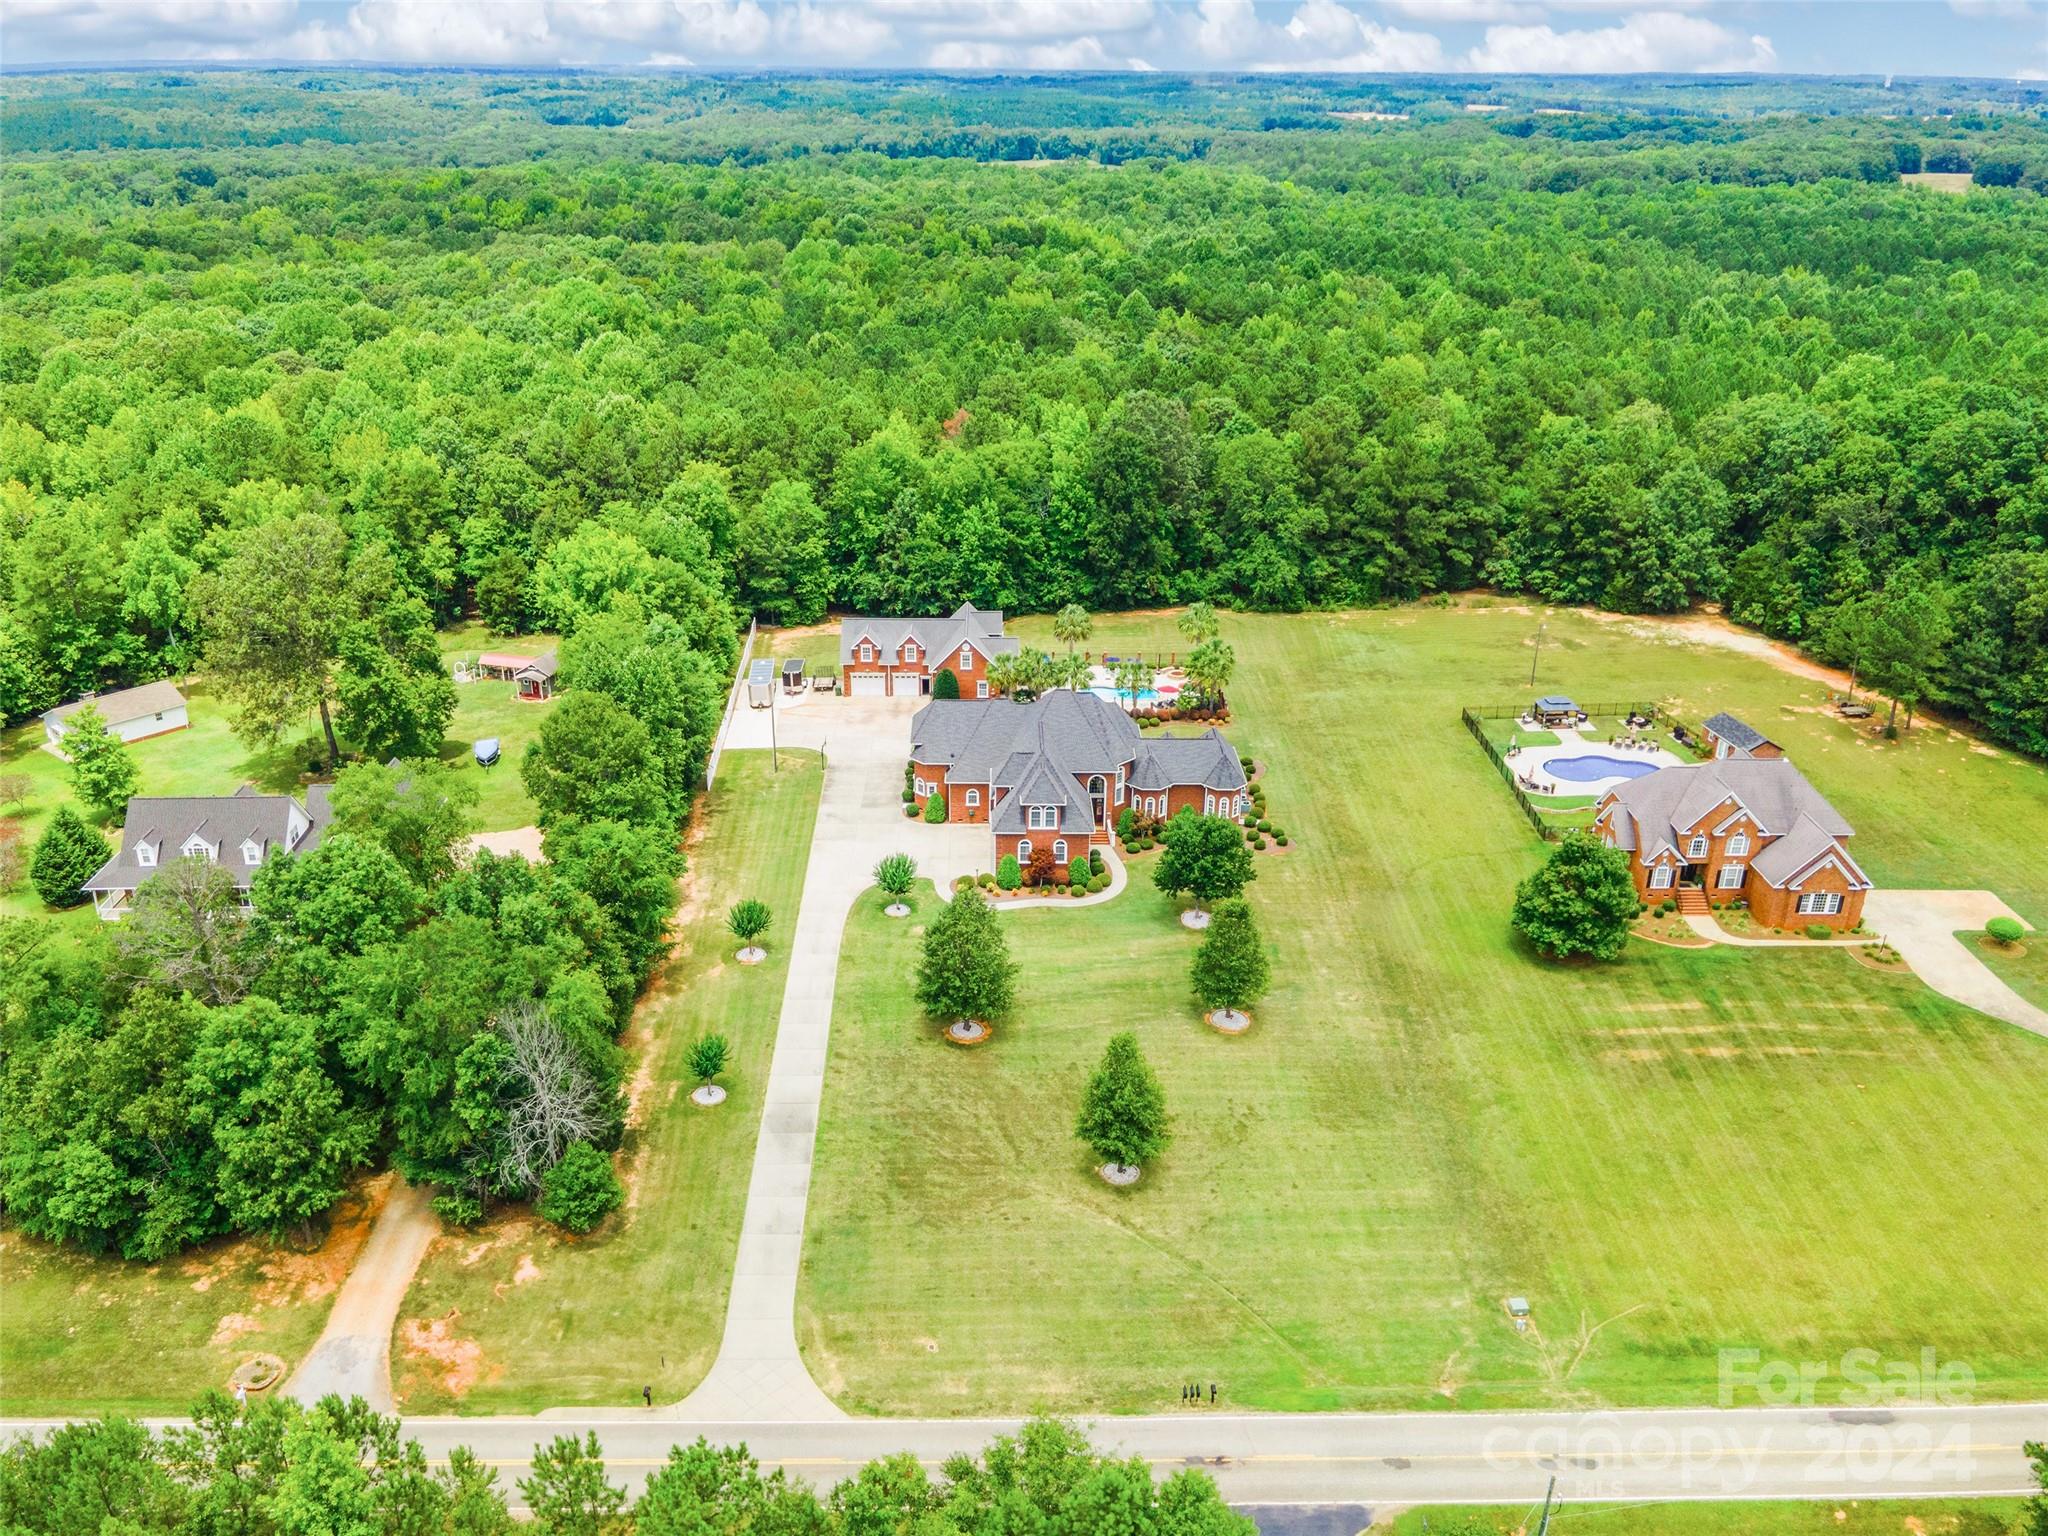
{"points": [[1740, 826], [899, 657], [1057, 772]]}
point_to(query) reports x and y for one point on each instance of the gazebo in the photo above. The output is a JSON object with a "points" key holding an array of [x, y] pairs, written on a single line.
{"points": [[1555, 709]]}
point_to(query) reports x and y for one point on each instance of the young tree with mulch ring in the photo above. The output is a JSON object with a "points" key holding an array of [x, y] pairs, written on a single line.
{"points": [[965, 974], [1230, 971], [1123, 1113], [747, 921], [895, 875], [1204, 856], [1581, 902], [707, 1059]]}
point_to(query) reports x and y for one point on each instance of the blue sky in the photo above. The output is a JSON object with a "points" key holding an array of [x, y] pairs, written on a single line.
{"points": [[1995, 38]]}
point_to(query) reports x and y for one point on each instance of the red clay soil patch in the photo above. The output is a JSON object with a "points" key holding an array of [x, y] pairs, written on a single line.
{"points": [[302, 1277], [431, 1347]]}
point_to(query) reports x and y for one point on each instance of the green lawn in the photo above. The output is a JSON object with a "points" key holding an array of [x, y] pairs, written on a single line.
{"points": [[1696, 1149], [492, 708], [816, 645], [540, 1319], [83, 1335], [1789, 1517], [2025, 971]]}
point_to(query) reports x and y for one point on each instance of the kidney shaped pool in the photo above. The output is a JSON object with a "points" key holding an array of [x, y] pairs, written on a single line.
{"points": [[1592, 768]]}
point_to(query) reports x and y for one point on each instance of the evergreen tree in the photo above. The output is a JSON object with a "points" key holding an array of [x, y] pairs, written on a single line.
{"points": [[67, 855], [965, 971], [945, 684], [1123, 1113]]}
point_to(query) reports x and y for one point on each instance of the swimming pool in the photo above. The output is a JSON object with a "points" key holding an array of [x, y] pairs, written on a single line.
{"points": [[1591, 768], [1145, 695]]}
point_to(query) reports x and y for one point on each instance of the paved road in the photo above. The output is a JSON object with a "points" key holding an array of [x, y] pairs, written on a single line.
{"points": [[1379, 1459], [1922, 926]]}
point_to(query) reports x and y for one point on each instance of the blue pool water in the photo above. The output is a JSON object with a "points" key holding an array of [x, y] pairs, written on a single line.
{"points": [[1585, 770], [1145, 695]]}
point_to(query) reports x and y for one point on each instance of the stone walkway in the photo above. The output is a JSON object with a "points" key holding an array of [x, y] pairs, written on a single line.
{"points": [[1922, 926]]}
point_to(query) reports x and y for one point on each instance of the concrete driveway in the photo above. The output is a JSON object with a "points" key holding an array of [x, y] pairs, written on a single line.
{"points": [[1922, 927]]}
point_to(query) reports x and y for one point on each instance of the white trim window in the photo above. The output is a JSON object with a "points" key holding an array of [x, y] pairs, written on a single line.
{"points": [[1660, 878], [919, 787], [910, 650], [1697, 848], [1738, 845], [1041, 818], [1059, 850], [1730, 877], [145, 855], [197, 848], [867, 652], [966, 658], [1024, 851], [981, 688], [1819, 903], [971, 799], [1237, 805], [1208, 803], [251, 854]]}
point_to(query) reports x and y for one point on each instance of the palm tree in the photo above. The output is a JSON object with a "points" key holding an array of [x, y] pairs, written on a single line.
{"points": [[1198, 623], [1133, 676], [1070, 671], [1003, 673], [1073, 625], [1209, 668]]}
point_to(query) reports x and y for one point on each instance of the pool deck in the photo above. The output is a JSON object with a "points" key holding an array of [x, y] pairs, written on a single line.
{"points": [[1528, 764]]}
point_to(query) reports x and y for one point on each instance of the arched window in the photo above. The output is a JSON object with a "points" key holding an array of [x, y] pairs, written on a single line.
{"points": [[1059, 850], [1023, 850]]}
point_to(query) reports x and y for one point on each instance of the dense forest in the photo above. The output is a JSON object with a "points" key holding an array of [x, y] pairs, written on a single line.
{"points": [[295, 367]]}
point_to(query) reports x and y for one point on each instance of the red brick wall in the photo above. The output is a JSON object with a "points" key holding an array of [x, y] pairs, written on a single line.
{"points": [[1773, 908], [1077, 849], [934, 777]]}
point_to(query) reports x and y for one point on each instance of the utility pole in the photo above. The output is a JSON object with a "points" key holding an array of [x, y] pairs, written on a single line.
{"points": [[1539, 652], [774, 693], [1544, 1527]]}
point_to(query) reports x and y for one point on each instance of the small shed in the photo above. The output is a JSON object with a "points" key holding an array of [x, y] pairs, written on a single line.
{"points": [[1727, 736], [761, 683], [1555, 709], [793, 676], [130, 713], [536, 680]]}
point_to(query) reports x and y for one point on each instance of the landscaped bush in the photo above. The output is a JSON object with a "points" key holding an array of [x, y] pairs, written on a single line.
{"points": [[985, 880], [1818, 931], [580, 1190], [2006, 930], [935, 810], [961, 882], [909, 794], [1099, 883], [1127, 824], [1078, 888], [1095, 864], [1265, 825], [1008, 875], [910, 810], [1251, 834], [1280, 839]]}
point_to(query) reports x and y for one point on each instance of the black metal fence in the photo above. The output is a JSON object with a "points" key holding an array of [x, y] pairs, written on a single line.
{"points": [[1475, 718]]}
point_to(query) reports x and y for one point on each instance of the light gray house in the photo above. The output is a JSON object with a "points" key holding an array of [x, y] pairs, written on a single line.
{"points": [[239, 832], [130, 713]]}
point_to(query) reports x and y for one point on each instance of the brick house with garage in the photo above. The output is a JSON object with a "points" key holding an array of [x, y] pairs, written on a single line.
{"points": [[899, 657], [1726, 736], [1740, 826], [1057, 772]]}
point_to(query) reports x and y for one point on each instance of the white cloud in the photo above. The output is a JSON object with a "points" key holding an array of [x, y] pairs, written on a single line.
{"points": [[1324, 36], [1226, 28], [1465, 10], [839, 33], [1662, 41], [1073, 53], [2003, 10], [1017, 20]]}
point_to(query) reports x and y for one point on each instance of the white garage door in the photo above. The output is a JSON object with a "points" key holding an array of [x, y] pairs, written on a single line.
{"points": [[870, 684]]}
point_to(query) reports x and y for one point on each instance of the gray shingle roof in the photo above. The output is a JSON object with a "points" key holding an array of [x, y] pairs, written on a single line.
{"points": [[1043, 751], [1652, 812], [1805, 844], [935, 637], [125, 703], [1737, 733], [274, 823]]}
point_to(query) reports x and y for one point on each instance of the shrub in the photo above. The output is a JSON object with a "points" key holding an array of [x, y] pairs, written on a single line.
{"points": [[1078, 888], [1259, 843], [1265, 825], [1040, 873], [709, 1056], [909, 795], [945, 684], [67, 855], [935, 810], [961, 882], [910, 810], [1099, 883], [985, 880], [1008, 876], [2006, 930], [1251, 834], [1095, 864], [1281, 839], [1127, 823], [1818, 930], [581, 1190]]}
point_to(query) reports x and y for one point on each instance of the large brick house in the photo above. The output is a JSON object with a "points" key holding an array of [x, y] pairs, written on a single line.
{"points": [[1057, 772], [900, 657], [1738, 826]]}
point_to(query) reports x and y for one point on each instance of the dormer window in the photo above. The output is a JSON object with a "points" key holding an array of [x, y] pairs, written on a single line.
{"points": [[1041, 817], [909, 651], [1697, 848], [197, 848], [867, 651], [145, 855], [1738, 845], [252, 852]]}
